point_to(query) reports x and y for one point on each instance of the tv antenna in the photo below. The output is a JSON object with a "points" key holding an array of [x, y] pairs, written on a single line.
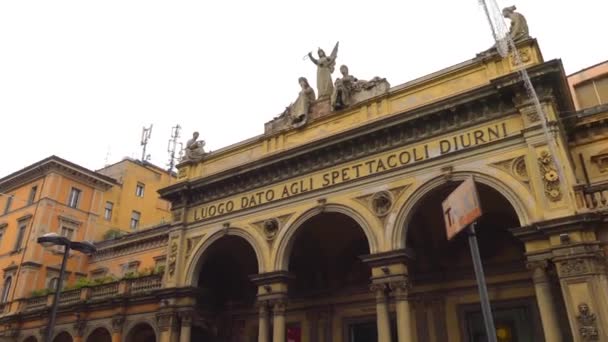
{"points": [[146, 134], [172, 146]]}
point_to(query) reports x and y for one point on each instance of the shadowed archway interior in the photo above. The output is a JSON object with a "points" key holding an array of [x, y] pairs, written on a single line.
{"points": [[63, 337], [30, 339], [142, 332], [100, 335], [325, 257], [437, 259], [226, 291]]}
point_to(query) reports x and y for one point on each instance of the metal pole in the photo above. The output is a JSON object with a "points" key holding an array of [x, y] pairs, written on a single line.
{"points": [[481, 284], [49, 329]]}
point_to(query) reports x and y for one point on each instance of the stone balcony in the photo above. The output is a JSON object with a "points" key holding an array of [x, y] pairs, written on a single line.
{"points": [[92, 294], [592, 197]]}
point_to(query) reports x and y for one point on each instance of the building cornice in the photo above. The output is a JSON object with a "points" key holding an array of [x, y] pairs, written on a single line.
{"points": [[59, 165], [131, 243]]}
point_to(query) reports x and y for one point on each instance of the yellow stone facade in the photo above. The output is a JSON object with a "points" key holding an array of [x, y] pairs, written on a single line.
{"points": [[334, 231]]}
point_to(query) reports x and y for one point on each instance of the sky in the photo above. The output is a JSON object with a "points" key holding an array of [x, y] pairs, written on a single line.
{"points": [[79, 79]]}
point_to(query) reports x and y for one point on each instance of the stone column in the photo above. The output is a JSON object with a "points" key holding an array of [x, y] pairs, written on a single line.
{"points": [[405, 330], [186, 326], [278, 327], [79, 327], [167, 326], [264, 326], [545, 300], [382, 316]]}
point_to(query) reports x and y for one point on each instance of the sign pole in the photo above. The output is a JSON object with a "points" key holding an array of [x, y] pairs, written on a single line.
{"points": [[481, 284]]}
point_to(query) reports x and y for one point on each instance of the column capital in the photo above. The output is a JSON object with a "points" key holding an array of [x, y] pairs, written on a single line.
{"points": [[380, 289], [186, 317], [166, 320], [401, 288], [278, 306], [539, 270], [117, 322]]}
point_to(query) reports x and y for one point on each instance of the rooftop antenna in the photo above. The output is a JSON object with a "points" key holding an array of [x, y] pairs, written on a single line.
{"points": [[172, 146], [504, 45], [106, 163], [146, 134]]}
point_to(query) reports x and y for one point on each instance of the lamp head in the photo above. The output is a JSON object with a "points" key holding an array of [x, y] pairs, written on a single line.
{"points": [[49, 239]]}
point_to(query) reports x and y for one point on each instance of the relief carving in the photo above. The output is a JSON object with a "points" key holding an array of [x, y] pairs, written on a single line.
{"points": [[117, 322], [573, 267], [587, 322], [271, 227], [601, 160], [381, 203], [191, 243], [516, 167], [172, 257], [550, 177]]}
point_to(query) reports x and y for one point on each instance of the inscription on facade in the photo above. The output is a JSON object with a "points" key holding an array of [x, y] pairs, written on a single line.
{"points": [[402, 157]]}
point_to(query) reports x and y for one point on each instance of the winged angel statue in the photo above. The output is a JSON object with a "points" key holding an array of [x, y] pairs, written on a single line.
{"points": [[325, 67]]}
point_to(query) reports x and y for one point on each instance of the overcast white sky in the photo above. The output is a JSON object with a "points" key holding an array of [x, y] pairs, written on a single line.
{"points": [[79, 79]]}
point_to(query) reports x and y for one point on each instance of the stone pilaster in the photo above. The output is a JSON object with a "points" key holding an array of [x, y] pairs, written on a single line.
{"points": [[264, 321], [400, 290], [278, 313], [382, 315]]}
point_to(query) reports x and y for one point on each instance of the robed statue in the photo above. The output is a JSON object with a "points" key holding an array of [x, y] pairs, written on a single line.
{"points": [[325, 67], [298, 111], [519, 27], [195, 149]]}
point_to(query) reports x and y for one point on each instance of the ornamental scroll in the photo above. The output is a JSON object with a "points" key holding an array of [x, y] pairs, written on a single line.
{"points": [[550, 176]]}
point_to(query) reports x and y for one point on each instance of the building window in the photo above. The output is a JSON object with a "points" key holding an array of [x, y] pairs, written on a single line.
{"points": [[135, 217], [6, 289], [20, 235], [7, 206], [139, 190], [107, 214], [592, 93], [67, 232], [32, 196], [53, 283], [74, 198]]}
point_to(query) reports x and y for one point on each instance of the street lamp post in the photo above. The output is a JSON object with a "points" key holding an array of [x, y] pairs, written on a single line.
{"points": [[54, 239]]}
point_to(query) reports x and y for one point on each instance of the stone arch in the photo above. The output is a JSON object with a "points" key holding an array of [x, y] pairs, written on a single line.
{"points": [[60, 334], [197, 258], [130, 325], [92, 329], [30, 338], [399, 229], [287, 237]]}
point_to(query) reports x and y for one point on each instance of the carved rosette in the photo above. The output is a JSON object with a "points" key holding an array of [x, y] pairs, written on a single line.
{"points": [[587, 323], [270, 228], [382, 203], [550, 176]]}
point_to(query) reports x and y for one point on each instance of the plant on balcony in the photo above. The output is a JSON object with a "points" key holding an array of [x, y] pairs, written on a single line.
{"points": [[113, 234], [41, 292]]}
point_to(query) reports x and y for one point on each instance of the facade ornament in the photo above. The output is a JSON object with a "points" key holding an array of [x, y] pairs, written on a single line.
{"points": [[587, 322], [539, 270], [381, 203], [518, 30], [573, 267], [117, 323], [186, 318], [79, 327], [401, 288], [279, 306], [349, 90], [165, 320], [298, 111], [195, 149], [325, 67], [271, 227], [550, 176], [172, 257]]}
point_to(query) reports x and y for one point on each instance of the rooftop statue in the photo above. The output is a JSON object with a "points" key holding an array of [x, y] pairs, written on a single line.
{"points": [[325, 67], [298, 111], [519, 27], [349, 90], [195, 149]]}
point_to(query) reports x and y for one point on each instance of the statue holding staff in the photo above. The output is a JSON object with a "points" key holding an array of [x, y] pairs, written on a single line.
{"points": [[325, 67]]}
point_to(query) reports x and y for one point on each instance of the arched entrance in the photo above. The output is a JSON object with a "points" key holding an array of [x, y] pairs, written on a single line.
{"points": [[442, 273], [327, 273], [30, 339], [227, 295], [63, 337], [100, 335], [141, 332]]}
